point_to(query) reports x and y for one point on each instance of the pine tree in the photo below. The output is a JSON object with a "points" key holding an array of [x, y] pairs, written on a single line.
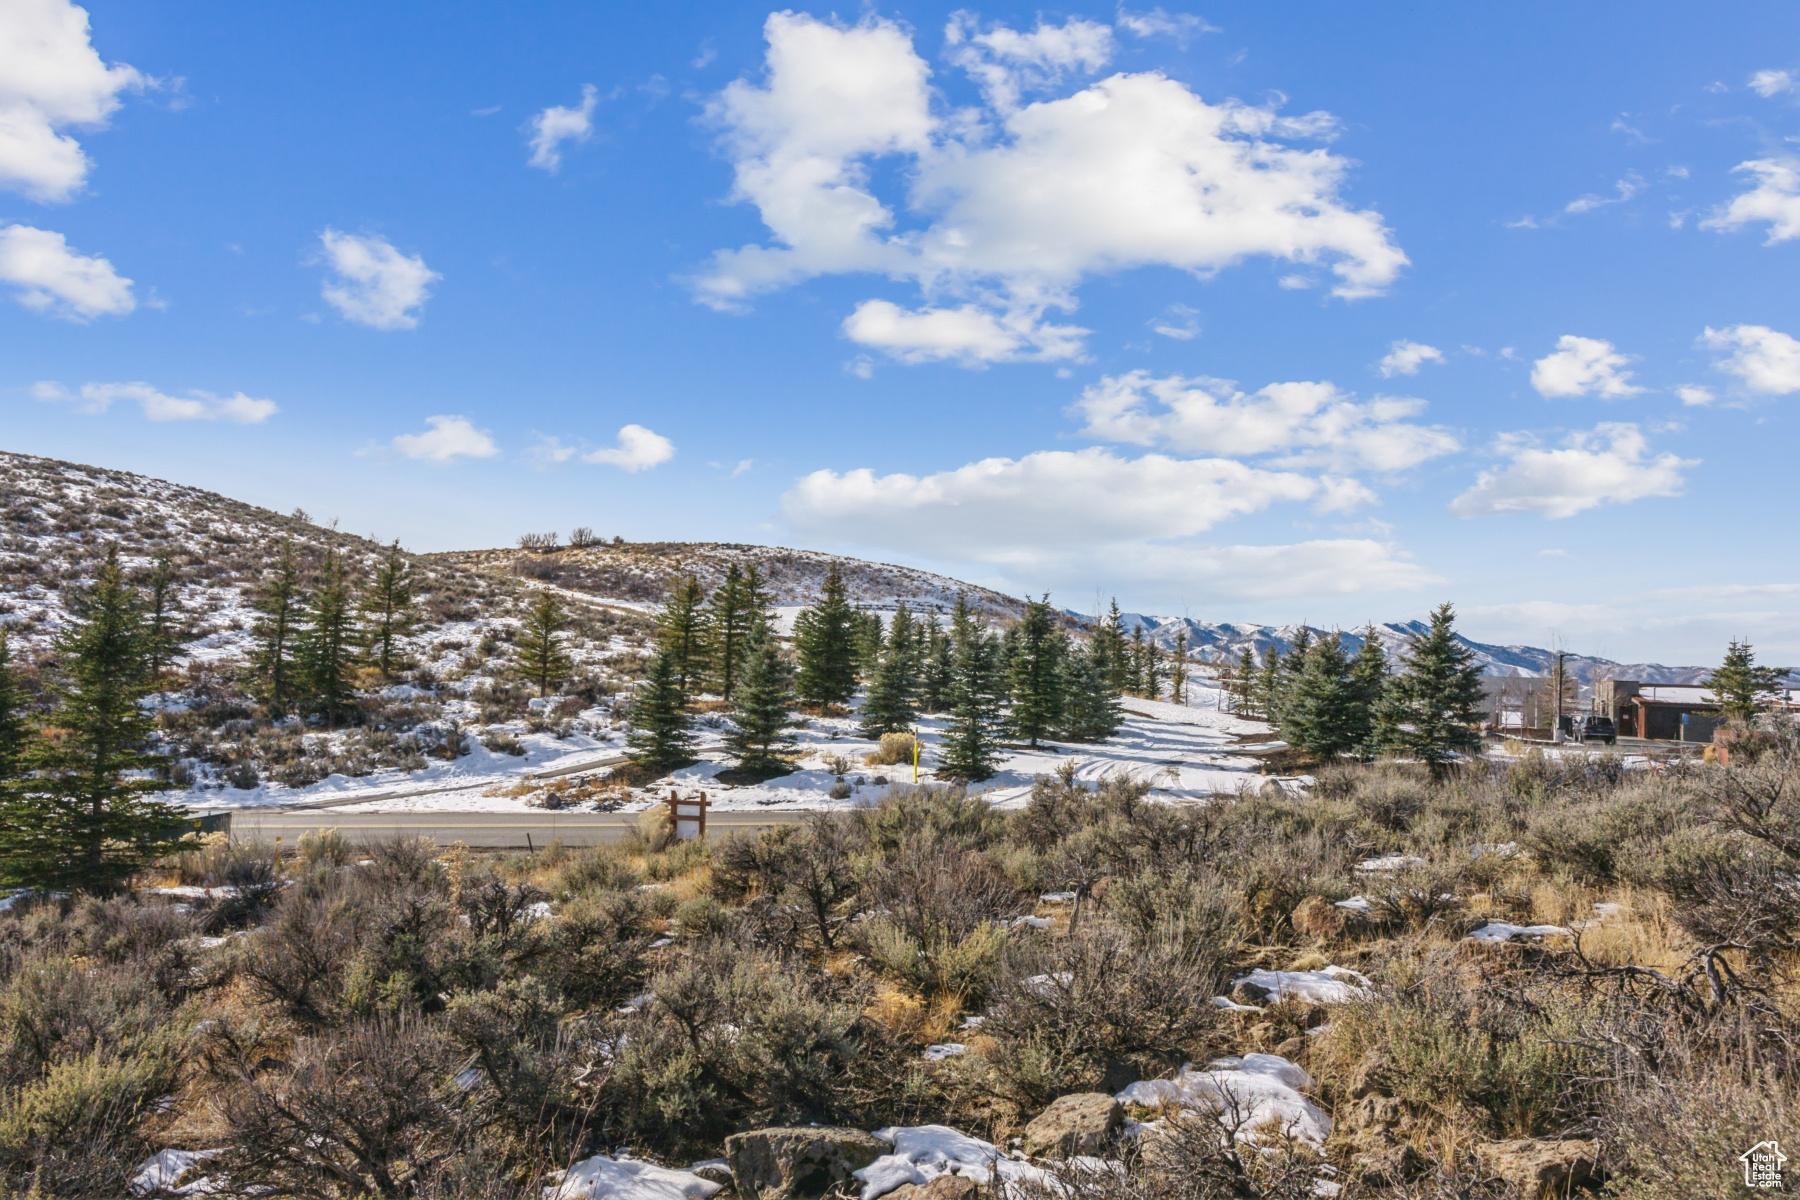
{"points": [[681, 634], [971, 749], [540, 654], [1243, 683], [1319, 717], [1113, 651], [1740, 688], [1178, 669], [825, 639], [660, 738], [1091, 710], [936, 668], [762, 708], [389, 611], [1035, 673], [1269, 683], [159, 636], [869, 642], [726, 619], [1437, 695], [891, 704], [325, 650], [1368, 690], [79, 818], [1153, 671], [279, 603], [12, 715]]}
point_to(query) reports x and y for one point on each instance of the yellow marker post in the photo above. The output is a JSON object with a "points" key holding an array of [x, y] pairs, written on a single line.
{"points": [[916, 745]]}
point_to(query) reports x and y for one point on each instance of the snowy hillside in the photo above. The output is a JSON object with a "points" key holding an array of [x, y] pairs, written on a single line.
{"points": [[1225, 643]]}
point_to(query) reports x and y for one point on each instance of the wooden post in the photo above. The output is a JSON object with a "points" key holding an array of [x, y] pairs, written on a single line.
{"points": [[688, 816]]}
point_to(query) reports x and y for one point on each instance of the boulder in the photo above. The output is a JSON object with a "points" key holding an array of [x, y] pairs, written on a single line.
{"points": [[1371, 1112], [1539, 1167], [1317, 917], [1249, 993], [1073, 1125], [777, 1164], [944, 1187]]}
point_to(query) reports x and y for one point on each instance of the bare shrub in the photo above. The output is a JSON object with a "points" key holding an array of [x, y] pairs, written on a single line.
{"points": [[895, 748], [809, 870]]}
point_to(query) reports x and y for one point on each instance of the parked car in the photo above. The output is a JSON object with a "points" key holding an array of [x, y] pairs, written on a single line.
{"points": [[1596, 729]]}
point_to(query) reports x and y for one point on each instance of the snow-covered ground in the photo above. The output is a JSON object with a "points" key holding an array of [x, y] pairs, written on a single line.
{"points": [[1185, 752]]}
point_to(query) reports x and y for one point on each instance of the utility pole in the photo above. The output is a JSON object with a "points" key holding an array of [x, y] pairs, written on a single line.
{"points": [[1557, 730]]}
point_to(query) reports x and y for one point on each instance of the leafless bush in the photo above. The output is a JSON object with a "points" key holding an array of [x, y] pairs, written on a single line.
{"points": [[537, 541]]}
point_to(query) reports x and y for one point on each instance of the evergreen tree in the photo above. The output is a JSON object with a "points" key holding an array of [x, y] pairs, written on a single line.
{"points": [[1135, 659], [1112, 651], [1178, 668], [1153, 671], [971, 749], [727, 619], [79, 818], [12, 715], [1035, 673], [762, 708], [159, 636], [1243, 684], [1740, 688], [891, 704], [389, 611], [869, 645], [1319, 717], [935, 669], [681, 634], [1368, 690], [1437, 695], [660, 738], [325, 649], [825, 639], [1091, 710], [279, 603], [1269, 683], [541, 658]]}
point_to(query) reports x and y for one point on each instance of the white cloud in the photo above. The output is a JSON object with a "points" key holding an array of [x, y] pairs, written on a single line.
{"points": [[1694, 395], [448, 438], [556, 125], [967, 333], [638, 450], [158, 405], [1018, 204], [376, 285], [1771, 83], [1583, 367], [1188, 328], [1310, 423], [51, 79], [1157, 23], [53, 279], [1775, 199], [1062, 519], [1626, 189], [1405, 358], [1766, 360], [1609, 465]]}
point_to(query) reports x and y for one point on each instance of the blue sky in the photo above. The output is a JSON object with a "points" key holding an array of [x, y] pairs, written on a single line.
{"points": [[1247, 312]]}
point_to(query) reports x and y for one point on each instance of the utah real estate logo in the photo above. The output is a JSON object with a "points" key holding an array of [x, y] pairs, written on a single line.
{"points": [[1762, 1165]]}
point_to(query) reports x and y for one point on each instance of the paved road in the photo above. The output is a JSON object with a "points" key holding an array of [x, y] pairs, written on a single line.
{"points": [[456, 785], [488, 830]]}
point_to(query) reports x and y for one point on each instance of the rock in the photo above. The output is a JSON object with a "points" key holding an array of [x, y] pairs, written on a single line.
{"points": [[776, 1164], [944, 1187], [1539, 1167], [1249, 993], [1371, 1112], [712, 1173], [1317, 917], [1381, 1162], [1295, 1049], [1074, 1125]]}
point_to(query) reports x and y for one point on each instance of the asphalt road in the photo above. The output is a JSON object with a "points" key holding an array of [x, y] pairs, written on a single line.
{"points": [[486, 830]]}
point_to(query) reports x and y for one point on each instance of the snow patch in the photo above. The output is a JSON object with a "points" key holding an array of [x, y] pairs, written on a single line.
{"points": [[923, 1152], [1251, 1095], [1333, 985], [605, 1178]]}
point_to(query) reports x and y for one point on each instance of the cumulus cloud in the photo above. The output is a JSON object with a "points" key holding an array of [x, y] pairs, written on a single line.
{"points": [[556, 125], [639, 449], [1180, 322], [51, 79], [1583, 367], [447, 439], [1405, 358], [54, 279], [1157, 23], [1766, 360], [1694, 396], [159, 405], [1775, 199], [968, 334], [1017, 202], [375, 284], [1773, 83], [1609, 465], [1310, 424]]}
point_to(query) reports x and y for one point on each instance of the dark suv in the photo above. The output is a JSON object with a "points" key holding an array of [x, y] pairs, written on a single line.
{"points": [[1596, 729]]}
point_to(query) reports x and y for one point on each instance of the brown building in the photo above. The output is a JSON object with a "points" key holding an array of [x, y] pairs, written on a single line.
{"points": [[1665, 711]]}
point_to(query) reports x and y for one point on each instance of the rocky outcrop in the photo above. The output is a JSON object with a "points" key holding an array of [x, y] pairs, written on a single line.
{"points": [[1540, 1168], [784, 1163], [944, 1187], [1079, 1124]]}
